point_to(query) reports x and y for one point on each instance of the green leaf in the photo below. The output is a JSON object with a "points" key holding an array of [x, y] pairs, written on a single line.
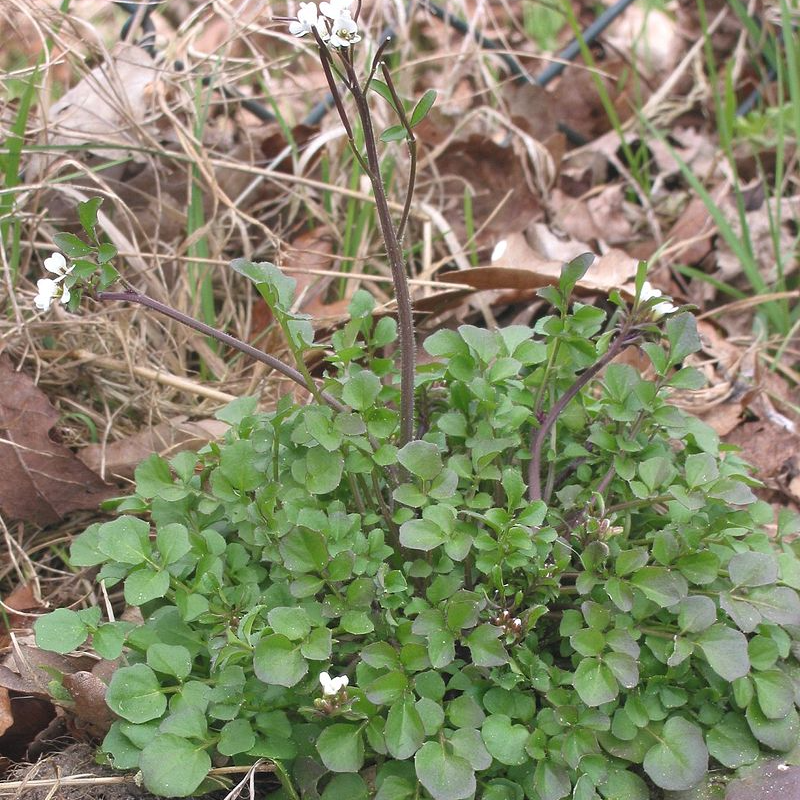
{"points": [[422, 108], [135, 694], [731, 742], [60, 631], [421, 459], [122, 752], [277, 660], [467, 743], [236, 737], [304, 550], [753, 569], [573, 271], [629, 561], [778, 604], [595, 682], [775, 693], [346, 786], [109, 639], [624, 667], [662, 586], [680, 759], [87, 214], [395, 133], [125, 539], [681, 331], [84, 550], [172, 766], [393, 787], [172, 542], [624, 785], [72, 246], [317, 647], [380, 655], [778, 734], [170, 659], [505, 741], [551, 780], [237, 464], [404, 731], [696, 613], [145, 584], [292, 622], [484, 343], [699, 568], [237, 410], [272, 284], [361, 390], [105, 252], [486, 648], [421, 534], [445, 775], [324, 470], [386, 688], [189, 723], [383, 90], [726, 651], [341, 747], [154, 479]]}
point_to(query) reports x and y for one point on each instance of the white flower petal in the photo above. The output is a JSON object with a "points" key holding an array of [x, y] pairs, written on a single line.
{"points": [[499, 249], [65, 295], [56, 264]]}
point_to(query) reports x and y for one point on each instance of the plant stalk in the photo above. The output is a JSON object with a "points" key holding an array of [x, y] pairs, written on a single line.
{"points": [[394, 252]]}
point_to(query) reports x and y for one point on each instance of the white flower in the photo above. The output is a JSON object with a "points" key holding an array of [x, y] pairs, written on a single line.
{"points": [[659, 309], [48, 290], [57, 264], [336, 8], [332, 686], [344, 32], [307, 19]]}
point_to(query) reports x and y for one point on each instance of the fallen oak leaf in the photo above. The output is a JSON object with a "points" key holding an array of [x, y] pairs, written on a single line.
{"points": [[517, 266], [41, 481]]}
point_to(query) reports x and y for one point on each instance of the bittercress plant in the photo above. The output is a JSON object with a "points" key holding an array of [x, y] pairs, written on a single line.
{"points": [[481, 611]]}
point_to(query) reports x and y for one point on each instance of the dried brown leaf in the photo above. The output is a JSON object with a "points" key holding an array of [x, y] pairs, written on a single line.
{"points": [[40, 480], [108, 106], [495, 176], [528, 268]]}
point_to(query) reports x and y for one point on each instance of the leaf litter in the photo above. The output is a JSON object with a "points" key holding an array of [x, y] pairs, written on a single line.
{"points": [[201, 180]]}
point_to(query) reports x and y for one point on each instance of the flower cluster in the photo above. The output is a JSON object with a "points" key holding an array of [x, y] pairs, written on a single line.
{"points": [[334, 697], [52, 288], [332, 22]]}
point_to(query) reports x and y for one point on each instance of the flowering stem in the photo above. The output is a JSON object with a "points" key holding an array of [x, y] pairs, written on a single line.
{"points": [[132, 296], [396, 262]]}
